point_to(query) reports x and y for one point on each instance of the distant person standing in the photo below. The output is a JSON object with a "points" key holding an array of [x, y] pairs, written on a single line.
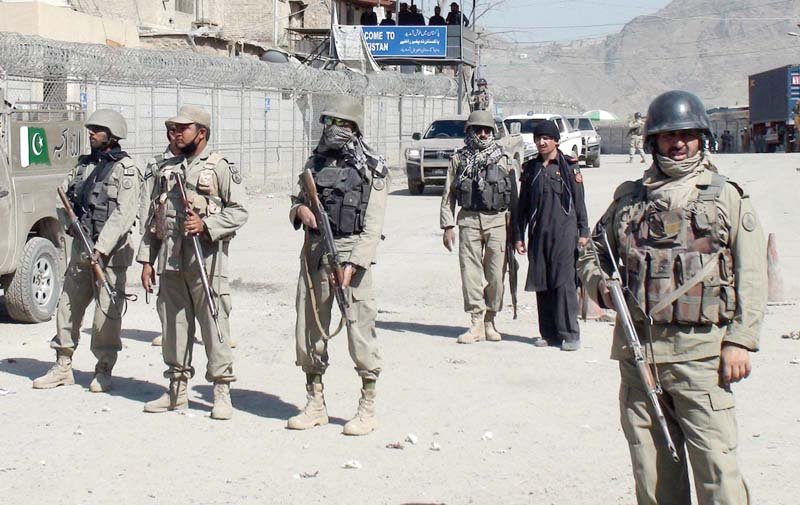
{"points": [[404, 15], [552, 211], [388, 21], [481, 98], [727, 142], [369, 18], [636, 132], [455, 17], [417, 19], [437, 19]]}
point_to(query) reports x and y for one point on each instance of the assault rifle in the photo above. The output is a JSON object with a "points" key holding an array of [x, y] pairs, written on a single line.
{"points": [[513, 264], [649, 381], [198, 255], [88, 247], [336, 273]]}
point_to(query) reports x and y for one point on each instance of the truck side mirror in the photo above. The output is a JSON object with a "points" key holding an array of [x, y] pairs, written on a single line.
{"points": [[416, 136], [516, 128]]}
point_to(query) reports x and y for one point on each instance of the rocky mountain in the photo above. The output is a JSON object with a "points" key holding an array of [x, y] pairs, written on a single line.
{"points": [[708, 47]]}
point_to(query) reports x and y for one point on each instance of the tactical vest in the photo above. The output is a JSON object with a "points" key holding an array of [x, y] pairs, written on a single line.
{"points": [[344, 192], [489, 191], [203, 194], [681, 252], [94, 198]]}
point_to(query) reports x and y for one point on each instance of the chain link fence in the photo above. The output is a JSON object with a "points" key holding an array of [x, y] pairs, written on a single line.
{"points": [[265, 116]]}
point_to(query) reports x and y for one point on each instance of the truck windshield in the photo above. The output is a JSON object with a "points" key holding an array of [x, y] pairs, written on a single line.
{"points": [[585, 123], [446, 129], [526, 125]]}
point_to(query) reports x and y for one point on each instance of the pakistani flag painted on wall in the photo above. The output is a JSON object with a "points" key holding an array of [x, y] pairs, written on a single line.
{"points": [[33, 146]]}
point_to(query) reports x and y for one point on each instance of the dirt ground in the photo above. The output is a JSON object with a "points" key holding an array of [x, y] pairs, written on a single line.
{"points": [[514, 424]]}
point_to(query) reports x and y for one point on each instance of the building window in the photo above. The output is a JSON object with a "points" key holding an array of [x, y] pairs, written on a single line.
{"points": [[297, 14], [186, 6]]}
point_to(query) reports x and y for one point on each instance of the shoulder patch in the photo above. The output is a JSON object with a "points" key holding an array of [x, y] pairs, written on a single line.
{"points": [[128, 171], [378, 183], [127, 183], [236, 174], [749, 221]]}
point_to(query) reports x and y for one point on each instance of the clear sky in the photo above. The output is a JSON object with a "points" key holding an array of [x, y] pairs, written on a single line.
{"points": [[561, 20]]}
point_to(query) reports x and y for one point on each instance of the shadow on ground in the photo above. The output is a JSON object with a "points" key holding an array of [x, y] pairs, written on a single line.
{"points": [[439, 330], [257, 403], [126, 387]]}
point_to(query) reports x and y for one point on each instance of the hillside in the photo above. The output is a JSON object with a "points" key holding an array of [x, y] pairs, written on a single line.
{"points": [[708, 47]]}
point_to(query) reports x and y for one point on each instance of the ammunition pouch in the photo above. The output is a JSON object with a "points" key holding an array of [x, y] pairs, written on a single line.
{"points": [[344, 193]]}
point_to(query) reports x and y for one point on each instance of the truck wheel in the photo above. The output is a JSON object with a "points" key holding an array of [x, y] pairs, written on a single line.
{"points": [[415, 187], [596, 162], [33, 290]]}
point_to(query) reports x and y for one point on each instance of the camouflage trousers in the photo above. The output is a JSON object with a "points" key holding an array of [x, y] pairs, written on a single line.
{"points": [[79, 291], [481, 254], [182, 307], [310, 343], [701, 419], [637, 146]]}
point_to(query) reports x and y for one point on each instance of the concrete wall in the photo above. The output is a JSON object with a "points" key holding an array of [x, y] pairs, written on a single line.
{"points": [[61, 23]]}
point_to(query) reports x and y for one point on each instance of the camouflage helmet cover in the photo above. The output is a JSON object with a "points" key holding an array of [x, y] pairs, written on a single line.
{"points": [[481, 118], [345, 107], [110, 119]]}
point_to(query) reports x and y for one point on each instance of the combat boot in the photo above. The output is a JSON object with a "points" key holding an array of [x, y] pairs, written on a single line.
{"points": [[364, 421], [571, 345], [223, 408], [175, 398], [59, 375], [476, 331], [101, 382], [630, 160], [492, 335], [314, 413]]}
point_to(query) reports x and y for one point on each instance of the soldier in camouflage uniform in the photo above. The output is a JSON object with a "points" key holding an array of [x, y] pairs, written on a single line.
{"points": [[352, 182], [481, 98], [104, 192], [214, 190], [636, 132], [482, 180], [694, 259]]}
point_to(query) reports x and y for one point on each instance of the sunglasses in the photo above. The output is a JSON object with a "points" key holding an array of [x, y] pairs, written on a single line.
{"points": [[482, 129], [329, 121]]}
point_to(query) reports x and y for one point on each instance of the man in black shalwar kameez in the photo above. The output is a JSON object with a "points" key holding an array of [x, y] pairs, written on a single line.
{"points": [[553, 211]]}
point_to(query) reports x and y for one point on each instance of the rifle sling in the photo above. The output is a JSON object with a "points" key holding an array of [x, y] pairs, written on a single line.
{"points": [[692, 282], [313, 297]]}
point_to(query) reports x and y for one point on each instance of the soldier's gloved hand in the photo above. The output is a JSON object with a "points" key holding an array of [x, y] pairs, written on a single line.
{"points": [[605, 295], [734, 363], [307, 217], [347, 274], [97, 257], [520, 247], [148, 277], [193, 224], [449, 238]]}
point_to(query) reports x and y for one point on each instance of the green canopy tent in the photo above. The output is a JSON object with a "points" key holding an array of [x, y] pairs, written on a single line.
{"points": [[600, 115]]}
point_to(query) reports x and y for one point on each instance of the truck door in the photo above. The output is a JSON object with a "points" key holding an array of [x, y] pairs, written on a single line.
{"points": [[8, 228]]}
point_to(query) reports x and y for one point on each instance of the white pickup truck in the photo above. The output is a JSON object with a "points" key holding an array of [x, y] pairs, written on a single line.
{"points": [[569, 144], [428, 158]]}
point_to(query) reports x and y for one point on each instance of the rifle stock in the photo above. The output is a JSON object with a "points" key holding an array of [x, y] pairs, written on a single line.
{"points": [[77, 232], [198, 255], [646, 376], [324, 226]]}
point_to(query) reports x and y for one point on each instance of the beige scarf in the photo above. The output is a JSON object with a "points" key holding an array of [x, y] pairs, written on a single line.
{"points": [[669, 181]]}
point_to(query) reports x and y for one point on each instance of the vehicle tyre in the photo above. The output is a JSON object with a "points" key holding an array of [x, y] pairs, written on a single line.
{"points": [[33, 290], [596, 162], [415, 187]]}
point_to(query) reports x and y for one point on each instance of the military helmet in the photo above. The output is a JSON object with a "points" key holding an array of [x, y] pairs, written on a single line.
{"points": [[674, 111], [481, 118], [110, 119], [481, 82], [345, 107]]}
